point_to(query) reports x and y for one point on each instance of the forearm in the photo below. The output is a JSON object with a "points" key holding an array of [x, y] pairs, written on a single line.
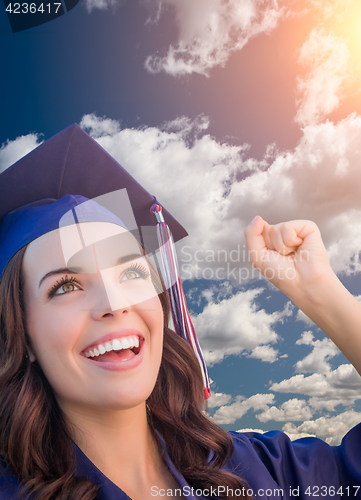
{"points": [[337, 312]]}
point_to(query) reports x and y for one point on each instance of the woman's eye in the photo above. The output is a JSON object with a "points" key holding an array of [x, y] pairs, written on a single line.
{"points": [[131, 275], [136, 272], [66, 288]]}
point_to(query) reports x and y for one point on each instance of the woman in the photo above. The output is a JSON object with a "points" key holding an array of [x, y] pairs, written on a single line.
{"points": [[99, 399]]}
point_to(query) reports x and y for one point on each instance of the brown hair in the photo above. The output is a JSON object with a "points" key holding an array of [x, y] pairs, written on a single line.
{"points": [[35, 440]]}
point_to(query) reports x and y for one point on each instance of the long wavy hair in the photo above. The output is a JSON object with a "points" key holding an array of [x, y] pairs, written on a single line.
{"points": [[35, 440]]}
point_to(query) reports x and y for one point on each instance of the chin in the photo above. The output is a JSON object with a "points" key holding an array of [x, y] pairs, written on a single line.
{"points": [[125, 400]]}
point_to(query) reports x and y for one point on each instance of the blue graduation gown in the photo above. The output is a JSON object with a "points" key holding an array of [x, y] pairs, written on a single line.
{"points": [[270, 464]]}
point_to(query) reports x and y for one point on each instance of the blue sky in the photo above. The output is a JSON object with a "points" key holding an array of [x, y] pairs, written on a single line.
{"points": [[224, 110]]}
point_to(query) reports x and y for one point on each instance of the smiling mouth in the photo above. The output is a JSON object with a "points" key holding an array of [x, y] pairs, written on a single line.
{"points": [[123, 349]]}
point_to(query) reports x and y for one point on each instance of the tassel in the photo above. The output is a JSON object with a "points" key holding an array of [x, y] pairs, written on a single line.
{"points": [[181, 319]]}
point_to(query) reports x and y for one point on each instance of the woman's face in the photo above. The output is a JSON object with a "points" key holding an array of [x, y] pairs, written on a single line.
{"points": [[107, 306]]}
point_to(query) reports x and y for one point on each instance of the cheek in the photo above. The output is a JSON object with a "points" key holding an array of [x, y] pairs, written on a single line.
{"points": [[51, 333], [154, 316]]}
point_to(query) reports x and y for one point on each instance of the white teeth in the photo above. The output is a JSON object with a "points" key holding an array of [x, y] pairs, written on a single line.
{"points": [[125, 343], [115, 345], [101, 349]]}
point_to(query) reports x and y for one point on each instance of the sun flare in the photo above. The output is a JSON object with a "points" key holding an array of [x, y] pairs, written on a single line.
{"points": [[346, 23]]}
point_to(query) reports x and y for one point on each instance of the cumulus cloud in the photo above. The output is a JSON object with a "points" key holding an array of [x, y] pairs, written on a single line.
{"points": [[291, 410], [264, 353], [210, 31], [331, 429], [99, 127], [229, 414], [320, 91], [218, 399], [234, 325], [341, 386], [12, 151], [317, 360]]}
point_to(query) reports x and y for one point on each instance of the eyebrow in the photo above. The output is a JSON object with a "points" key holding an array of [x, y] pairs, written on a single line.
{"points": [[78, 270]]}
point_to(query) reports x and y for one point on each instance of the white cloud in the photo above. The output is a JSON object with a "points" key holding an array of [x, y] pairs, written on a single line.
{"points": [[91, 5], [229, 414], [341, 386], [210, 31], [264, 353], [305, 339], [12, 151], [249, 429], [319, 92], [331, 429], [218, 399], [293, 409], [98, 127], [297, 435], [222, 332], [215, 293], [317, 360]]}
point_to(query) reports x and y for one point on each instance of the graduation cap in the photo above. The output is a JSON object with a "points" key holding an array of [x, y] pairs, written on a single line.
{"points": [[70, 179]]}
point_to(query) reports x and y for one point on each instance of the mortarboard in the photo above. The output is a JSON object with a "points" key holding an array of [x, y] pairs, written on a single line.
{"points": [[70, 178]]}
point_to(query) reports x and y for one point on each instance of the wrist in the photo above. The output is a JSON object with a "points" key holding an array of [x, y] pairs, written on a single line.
{"points": [[318, 294]]}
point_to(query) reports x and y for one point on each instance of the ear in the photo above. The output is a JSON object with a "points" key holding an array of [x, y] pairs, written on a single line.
{"points": [[31, 355]]}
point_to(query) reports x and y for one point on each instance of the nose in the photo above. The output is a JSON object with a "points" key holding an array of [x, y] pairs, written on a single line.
{"points": [[101, 311], [108, 301]]}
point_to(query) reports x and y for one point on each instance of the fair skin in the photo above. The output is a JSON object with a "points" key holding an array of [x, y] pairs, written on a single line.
{"points": [[106, 408]]}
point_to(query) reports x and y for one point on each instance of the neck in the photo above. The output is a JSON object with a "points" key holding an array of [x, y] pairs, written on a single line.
{"points": [[121, 444]]}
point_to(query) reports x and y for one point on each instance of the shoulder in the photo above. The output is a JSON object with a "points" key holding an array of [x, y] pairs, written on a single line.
{"points": [[9, 484], [272, 460]]}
